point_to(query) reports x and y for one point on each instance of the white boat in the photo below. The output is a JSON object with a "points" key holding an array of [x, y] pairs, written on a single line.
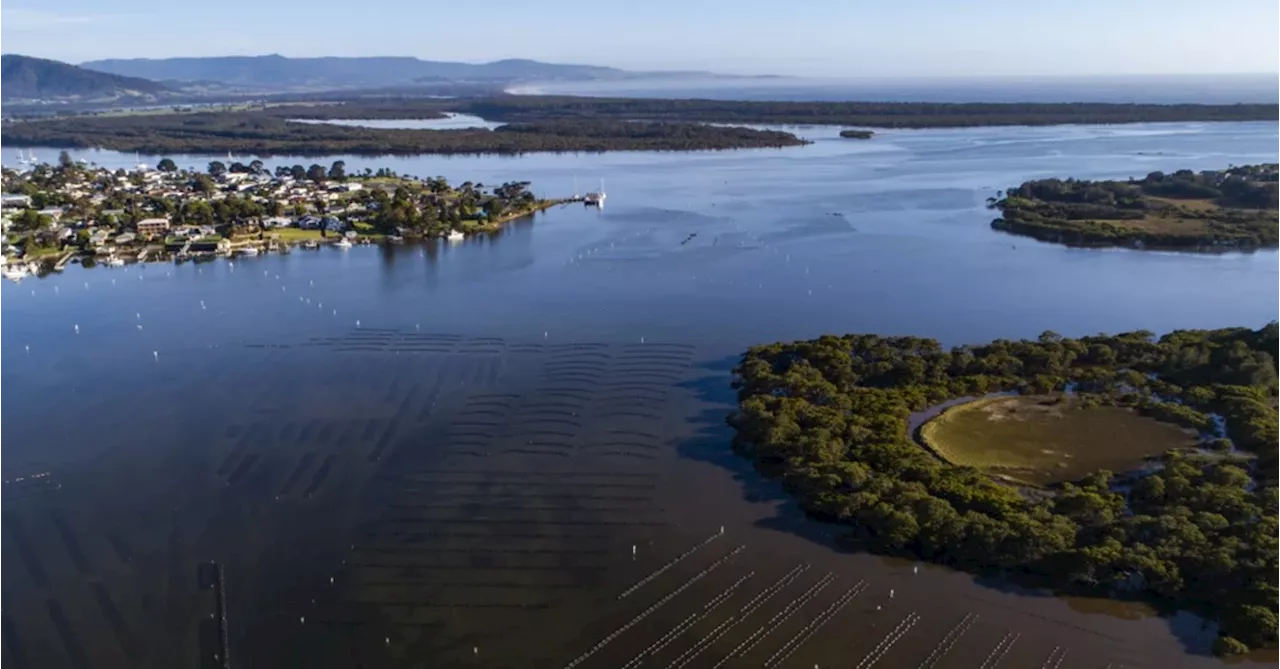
{"points": [[343, 244], [115, 261], [311, 244], [15, 272], [249, 251], [456, 236], [595, 199]]}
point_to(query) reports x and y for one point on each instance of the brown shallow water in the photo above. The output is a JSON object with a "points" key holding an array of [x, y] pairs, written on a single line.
{"points": [[388, 498]]}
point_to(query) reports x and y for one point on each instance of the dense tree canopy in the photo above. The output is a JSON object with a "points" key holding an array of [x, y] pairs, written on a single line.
{"points": [[829, 416], [1232, 208]]}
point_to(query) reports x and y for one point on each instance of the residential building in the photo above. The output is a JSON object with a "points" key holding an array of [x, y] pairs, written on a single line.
{"points": [[15, 201], [153, 226]]}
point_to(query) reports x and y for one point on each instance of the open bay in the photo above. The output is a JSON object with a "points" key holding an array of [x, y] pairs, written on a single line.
{"points": [[470, 452]]}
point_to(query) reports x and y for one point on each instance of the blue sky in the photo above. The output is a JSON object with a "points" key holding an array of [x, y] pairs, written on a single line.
{"points": [[851, 38]]}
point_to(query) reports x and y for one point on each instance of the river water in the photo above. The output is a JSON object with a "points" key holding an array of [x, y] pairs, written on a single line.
{"points": [[510, 451]]}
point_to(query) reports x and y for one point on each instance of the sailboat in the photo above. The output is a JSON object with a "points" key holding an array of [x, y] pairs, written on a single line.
{"points": [[595, 199]]}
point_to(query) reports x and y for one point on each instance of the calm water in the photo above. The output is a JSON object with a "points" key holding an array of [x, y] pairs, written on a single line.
{"points": [[475, 453]]}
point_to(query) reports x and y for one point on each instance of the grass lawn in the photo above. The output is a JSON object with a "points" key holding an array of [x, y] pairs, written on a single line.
{"points": [[296, 234], [1030, 439]]}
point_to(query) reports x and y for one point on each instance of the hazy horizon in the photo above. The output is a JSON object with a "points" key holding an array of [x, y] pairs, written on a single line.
{"points": [[925, 38]]}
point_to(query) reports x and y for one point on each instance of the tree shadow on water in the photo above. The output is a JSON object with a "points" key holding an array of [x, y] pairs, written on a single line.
{"points": [[711, 441]]}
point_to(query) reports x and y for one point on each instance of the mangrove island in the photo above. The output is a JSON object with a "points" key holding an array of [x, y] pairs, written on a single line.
{"points": [[1120, 466], [1231, 209], [856, 134]]}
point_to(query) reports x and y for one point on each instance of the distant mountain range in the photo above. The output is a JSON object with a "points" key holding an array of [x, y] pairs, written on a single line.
{"points": [[278, 73], [27, 78]]}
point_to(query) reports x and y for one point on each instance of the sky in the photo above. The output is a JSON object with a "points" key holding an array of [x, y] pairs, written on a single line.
{"points": [[823, 38]]}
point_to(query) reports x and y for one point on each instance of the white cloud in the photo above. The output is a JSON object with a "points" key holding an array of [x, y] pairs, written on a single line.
{"points": [[19, 19]]}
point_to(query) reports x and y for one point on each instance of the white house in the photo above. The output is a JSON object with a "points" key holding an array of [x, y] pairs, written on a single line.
{"points": [[15, 201]]}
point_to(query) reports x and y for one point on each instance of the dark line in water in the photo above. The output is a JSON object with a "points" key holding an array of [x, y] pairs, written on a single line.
{"points": [[303, 464], [17, 652], [20, 540], [120, 546], [526, 521], [383, 442], [534, 451], [479, 550], [536, 484], [69, 642], [123, 636], [505, 536], [510, 585], [321, 474], [558, 568], [72, 544], [370, 429], [245, 465], [536, 606]]}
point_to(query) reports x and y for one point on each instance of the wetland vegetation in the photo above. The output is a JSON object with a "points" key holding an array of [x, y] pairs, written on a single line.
{"points": [[1197, 532], [271, 133], [1233, 208]]}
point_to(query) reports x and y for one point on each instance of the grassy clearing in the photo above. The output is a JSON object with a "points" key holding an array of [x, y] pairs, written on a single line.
{"points": [[1039, 440], [296, 234]]}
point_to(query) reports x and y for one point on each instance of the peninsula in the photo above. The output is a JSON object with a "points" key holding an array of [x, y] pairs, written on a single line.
{"points": [[56, 213], [1119, 466], [1231, 209]]}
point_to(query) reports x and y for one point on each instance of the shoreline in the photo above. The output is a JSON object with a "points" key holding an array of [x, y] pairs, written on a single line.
{"points": [[43, 265]]}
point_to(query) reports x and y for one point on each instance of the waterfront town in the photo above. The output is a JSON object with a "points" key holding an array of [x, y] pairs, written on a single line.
{"points": [[69, 211]]}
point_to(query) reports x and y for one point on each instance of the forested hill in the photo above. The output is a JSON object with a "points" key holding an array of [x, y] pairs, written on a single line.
{"points": [[27, 78]]}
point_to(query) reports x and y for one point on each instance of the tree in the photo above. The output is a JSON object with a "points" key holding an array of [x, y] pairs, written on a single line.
{"points": [[256, 166], [167, 165], [298, 172], [338, 172], [217, 168], [64, 160], [316, 173]]}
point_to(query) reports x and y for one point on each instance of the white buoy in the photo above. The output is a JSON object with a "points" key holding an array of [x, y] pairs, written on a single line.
{"points": [[330, 580], [633, 551], [302, 619], [642, 340], [139, 315], [77, 328], [890, 593], [475, 650], [357, 322], [311, 282], [139, 326], [877, 607], [388, 641], [544, 334], [156, 355], [417, 326], [722, 529], [915, 569], [202, 304], [86, 285], [335, 312], [28, 348]]}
